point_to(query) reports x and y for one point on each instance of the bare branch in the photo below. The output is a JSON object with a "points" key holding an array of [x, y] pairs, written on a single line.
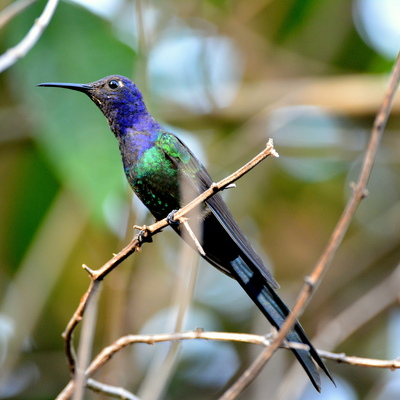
{"points": [[112, 391], [86, 342], [12, 55], [108, 352], [193, 236], [360, 361], [13, 10]]}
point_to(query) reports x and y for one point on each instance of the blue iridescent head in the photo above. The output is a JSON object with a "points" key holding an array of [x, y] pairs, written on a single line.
{"points": [[117, 97]]}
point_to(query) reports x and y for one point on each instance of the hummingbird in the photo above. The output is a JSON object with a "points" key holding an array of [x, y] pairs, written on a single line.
{"points": [[158, 166]]}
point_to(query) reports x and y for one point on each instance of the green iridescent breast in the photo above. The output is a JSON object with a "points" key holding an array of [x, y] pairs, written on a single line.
{"points": [[155, 180], [159, 173]]}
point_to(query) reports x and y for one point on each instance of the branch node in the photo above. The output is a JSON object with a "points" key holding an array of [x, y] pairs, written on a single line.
{"points": [[309, 282], [360, 191], [270, 147], [231, 186], [140, 227], [274, 153], [267, 340], [364, 193], [88, 270], [340, 358], [183, 220]]}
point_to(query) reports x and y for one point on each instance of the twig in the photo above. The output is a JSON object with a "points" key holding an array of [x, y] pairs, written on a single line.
{"points": [[216, 187], [12, 55], [359, 193], [13, 10], [74, 321], [86, 341], [193, 237], [135, 244], [360, 361], [163, 364], [112, 391], [108, 352], [105, 355]]}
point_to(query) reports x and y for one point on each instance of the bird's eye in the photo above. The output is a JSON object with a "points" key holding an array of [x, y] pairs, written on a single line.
{"points": [[113, 84]]}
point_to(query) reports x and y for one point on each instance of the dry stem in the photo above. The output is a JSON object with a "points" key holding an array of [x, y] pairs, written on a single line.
{"points": [[12, 55]]}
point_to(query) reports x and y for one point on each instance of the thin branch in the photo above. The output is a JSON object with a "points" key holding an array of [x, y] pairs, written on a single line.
{"points": [[216, 187], [112, 391], [311, 283], [163, 364], [13, 10], [135, 244], [86, 341], [72, 324], [108, 352], [12, 55], [360, 188], [193, 237], [360, 361]]}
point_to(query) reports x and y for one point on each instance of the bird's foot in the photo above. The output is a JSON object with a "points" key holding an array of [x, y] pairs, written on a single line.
{"points": [[144, 235], [170, 218]]}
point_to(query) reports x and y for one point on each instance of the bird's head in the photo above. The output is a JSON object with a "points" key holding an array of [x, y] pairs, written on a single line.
{"points": [[117, 97]]}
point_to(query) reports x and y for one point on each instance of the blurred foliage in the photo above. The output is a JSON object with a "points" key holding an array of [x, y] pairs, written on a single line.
{"points": [[228, 75]]}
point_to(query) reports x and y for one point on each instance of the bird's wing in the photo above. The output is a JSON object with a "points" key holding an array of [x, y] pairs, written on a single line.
{"points": [[247, 268], [197, 175]]}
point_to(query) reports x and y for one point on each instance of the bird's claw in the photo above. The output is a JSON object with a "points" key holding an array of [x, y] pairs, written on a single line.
{"points": [[144, 235], [170, 218]]}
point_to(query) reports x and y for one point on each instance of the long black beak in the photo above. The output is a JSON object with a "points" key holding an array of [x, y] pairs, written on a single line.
{"points": [[73, 86]]}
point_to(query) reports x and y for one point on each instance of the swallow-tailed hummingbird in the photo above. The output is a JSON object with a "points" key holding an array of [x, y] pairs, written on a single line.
{"points": [[158, 165]]}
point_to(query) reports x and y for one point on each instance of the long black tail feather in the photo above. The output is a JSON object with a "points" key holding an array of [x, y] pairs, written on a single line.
{"points": [[276, 312]]}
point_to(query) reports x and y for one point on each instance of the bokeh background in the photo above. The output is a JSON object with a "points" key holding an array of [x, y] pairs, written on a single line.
{"points": [[225, 76]]}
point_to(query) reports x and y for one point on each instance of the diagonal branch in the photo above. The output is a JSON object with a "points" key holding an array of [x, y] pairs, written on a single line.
{"points": [[12, 55], [311, 282], [13, 10]]}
